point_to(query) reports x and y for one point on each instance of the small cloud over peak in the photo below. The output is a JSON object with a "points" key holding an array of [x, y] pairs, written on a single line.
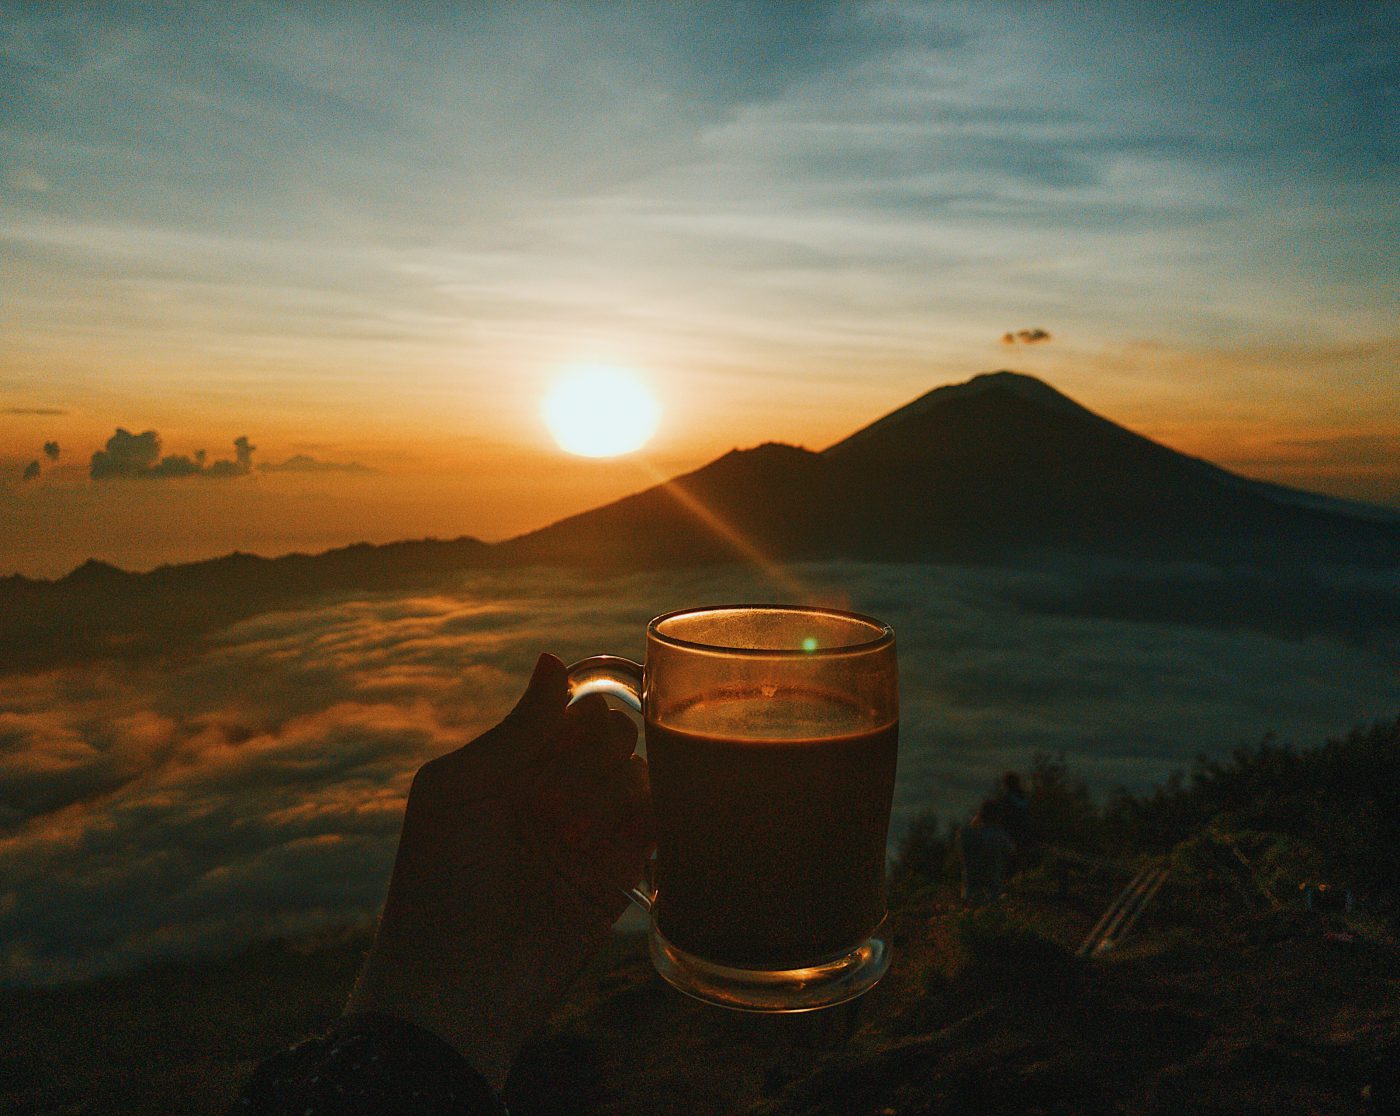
{"points": [[49, 411], [1034, 336], [131, 455]]}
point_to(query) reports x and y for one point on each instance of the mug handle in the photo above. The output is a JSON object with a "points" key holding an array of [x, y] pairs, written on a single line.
{"points": [[616, 677]]}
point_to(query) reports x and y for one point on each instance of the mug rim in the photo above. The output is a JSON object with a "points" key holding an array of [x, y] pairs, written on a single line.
{"points": [[884, 639]]}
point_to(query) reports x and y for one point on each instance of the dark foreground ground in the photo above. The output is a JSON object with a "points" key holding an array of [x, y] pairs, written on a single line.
{"points": [[1228, 997], [984, 1013]]}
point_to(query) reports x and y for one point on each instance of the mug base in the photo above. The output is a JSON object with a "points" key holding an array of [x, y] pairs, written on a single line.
{"points": [[772, 990]]}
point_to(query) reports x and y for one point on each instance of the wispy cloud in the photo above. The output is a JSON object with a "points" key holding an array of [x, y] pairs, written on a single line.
{"points": [[735, 186], [305, 463], [1346, 449]]}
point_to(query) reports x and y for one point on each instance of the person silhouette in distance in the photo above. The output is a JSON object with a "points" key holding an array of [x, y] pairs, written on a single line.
{"points": [[514, 856], [985, 850]]}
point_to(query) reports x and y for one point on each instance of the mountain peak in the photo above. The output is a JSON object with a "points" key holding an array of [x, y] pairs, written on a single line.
{"points": [[94, 571], [1018, 384]]}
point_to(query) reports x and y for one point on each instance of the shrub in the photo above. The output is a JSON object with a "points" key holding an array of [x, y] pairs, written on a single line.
{"points": [[996, 941], [926, 856], [1061, 809]]}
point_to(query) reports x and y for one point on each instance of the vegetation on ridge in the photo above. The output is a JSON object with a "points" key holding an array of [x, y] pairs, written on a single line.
{"points": [[1330, 813]]}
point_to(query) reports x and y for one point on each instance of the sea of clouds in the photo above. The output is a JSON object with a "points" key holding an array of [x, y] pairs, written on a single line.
{"points": [[191, 804]]}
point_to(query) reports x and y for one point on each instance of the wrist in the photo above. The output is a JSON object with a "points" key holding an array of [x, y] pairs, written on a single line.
{"points": [[484, 1000], [445, 999]]}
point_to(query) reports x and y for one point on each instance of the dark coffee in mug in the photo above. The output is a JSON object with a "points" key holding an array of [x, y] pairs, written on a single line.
{"points": [[771, 847], [771, 738]]}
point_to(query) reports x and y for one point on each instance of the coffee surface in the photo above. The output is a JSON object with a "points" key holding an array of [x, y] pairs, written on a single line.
{"points": [[771, 849]]}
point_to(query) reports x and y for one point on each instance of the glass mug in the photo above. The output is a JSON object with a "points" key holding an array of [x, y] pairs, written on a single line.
{"points": [[771, 737]]}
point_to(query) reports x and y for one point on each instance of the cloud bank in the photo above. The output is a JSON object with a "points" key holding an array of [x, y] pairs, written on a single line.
{"points": [[150, 809], [138, 456]]}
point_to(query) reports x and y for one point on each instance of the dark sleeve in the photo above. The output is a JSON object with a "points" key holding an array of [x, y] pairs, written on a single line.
{"points": [[367, 1065]]}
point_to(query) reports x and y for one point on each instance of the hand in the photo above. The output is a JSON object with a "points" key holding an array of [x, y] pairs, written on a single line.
{"points": [[511, 864]]}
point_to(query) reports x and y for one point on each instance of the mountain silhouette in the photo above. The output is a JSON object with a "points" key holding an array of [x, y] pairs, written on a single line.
{"points": [[1002, 469]]}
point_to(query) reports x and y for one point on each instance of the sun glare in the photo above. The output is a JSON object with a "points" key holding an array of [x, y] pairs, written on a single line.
{"points": [[595, 410]]}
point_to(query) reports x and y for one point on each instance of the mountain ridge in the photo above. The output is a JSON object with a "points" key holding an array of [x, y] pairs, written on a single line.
{"points": [[1000, 470], [1025, 388]]}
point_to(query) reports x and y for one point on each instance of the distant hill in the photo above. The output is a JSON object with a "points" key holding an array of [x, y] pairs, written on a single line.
{"points": [[1001, 469], [98, 609]]}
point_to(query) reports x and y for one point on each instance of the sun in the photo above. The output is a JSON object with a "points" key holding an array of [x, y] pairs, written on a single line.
{"points": [[596, 410]]}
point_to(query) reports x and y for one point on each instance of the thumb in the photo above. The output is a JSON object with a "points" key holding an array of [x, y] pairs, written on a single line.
{"points": [[520, 739], [539, 714], [541, 707]]}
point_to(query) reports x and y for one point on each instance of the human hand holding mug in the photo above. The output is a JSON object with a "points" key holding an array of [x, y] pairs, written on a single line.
{"points": [[772, 735], [510, 873]]}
